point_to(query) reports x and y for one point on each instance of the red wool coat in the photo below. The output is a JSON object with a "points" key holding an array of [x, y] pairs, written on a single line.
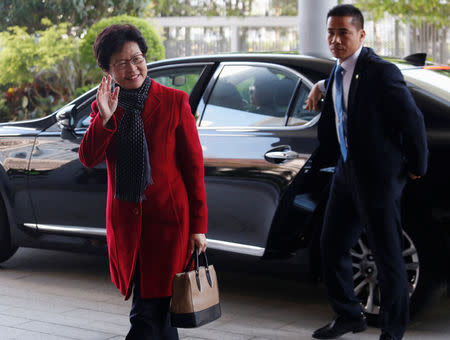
{"points": [[158, 229]]}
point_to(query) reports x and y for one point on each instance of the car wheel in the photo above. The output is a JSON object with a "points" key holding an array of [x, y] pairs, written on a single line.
{"points": [[419, 256], [6, 249]]}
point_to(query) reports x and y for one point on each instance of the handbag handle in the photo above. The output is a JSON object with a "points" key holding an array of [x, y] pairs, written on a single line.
{"points": [[195, 257]]}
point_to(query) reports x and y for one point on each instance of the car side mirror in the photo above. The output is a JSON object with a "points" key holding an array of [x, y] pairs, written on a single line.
{"points": [[65, 121]]}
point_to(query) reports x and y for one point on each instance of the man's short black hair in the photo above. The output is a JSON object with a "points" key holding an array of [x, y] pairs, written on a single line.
{"points": [[348, 11], [112, 39]]}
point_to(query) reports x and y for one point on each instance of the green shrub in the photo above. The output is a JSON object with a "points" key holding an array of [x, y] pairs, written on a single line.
{"points": [[155, 46], [5, 113], [23, 55], [83, 89]]}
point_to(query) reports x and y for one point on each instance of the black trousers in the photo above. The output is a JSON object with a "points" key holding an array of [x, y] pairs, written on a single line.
{"points": [[349, 212], [149, 318]]}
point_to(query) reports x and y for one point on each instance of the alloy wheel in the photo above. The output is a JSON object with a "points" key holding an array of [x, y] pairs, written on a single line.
{"points": [[365, 273]]}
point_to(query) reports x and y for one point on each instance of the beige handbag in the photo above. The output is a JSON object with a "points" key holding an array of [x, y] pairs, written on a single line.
{"points": [[195, 295]]}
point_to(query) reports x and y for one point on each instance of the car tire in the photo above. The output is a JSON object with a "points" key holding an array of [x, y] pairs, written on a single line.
{"points": [[421, 256], [6, 248]]}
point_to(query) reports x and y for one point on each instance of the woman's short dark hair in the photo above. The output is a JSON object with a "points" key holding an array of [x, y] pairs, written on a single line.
{"points": [[112, 39], [348, 11]]}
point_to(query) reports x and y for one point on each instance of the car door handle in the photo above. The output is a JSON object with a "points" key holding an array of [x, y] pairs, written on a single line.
{"points": [[281, 155], [329, 170]]}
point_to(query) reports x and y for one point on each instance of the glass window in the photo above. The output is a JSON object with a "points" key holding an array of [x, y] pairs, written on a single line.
{"points": [[84, 115], [249, 96], [181, 78], [84, 123], [300, 115]]}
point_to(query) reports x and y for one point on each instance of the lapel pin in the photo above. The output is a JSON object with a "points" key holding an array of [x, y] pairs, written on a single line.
{"points": [[357, 76]]}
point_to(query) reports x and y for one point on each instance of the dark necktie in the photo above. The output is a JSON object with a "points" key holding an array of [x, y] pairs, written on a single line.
{"points": [[339, 102]]}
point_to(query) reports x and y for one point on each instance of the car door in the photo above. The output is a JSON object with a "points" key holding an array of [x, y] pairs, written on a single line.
{"points": [[256, 137], [16, 146], [67, 197]]}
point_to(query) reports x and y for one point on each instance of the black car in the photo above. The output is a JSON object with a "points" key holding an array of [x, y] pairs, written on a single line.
{"points": [[258, 143]]}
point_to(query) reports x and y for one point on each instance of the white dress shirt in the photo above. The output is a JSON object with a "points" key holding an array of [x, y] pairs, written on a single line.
{"points": [[349, 66]]}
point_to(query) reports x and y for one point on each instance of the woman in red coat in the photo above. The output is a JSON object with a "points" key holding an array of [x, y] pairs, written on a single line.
{"points": [[156, 204]]}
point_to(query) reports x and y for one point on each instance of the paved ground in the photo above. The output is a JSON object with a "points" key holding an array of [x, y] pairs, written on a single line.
{"points": [[53, 295]]}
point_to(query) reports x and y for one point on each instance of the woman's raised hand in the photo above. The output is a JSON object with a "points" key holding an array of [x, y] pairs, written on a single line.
{"points": [[107, 100]]}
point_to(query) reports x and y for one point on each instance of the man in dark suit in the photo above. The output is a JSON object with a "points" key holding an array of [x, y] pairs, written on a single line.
{"points": [[372, 130]]}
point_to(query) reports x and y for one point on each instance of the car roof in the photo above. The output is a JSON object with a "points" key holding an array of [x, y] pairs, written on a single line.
{"points": [[315, 63]]}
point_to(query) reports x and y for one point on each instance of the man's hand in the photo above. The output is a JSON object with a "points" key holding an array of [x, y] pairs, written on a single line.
{"points": [[312, 102], [107, 101], [199, 241], [412, 176]]}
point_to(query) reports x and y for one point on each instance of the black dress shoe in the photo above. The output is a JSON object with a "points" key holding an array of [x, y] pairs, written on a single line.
{"points": [[385, 336], [340, 326]]}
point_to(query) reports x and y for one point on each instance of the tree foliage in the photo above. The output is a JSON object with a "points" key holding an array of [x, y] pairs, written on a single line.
{"points": [[435, 12], [284, 7], [81, 13], [167, 8], [39, 70], [44, 69], [24, 55], [232, 7]]}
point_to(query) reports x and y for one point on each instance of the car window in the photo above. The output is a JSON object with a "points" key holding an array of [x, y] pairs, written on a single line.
{"points": [[300, 115], [249, 96], [181, 78], [84, 123]]}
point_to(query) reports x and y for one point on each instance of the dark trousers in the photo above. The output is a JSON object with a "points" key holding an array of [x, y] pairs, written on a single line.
{"points": [[150, 318], [349, 212]]}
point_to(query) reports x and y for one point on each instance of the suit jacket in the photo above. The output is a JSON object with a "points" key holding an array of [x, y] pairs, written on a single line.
{"points": [[158, 229], [386, 133]]}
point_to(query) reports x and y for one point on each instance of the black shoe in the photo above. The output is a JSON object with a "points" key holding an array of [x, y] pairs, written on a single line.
{"points": [[385, 336], [340, 326]]}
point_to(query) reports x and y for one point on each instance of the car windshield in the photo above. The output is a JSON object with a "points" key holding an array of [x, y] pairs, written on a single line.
{"points": [[435, 80]]}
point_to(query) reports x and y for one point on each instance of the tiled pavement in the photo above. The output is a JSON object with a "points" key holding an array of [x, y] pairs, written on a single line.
{"points": [[53, 295]]}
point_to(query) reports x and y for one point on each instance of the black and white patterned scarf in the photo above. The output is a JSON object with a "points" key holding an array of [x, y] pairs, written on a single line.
{"points": [[133, 171]]}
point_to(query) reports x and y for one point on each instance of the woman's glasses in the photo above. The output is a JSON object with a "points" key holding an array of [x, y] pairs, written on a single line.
{"points": [[136, 60]]}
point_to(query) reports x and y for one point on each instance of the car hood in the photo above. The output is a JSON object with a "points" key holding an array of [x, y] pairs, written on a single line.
{"points": [[10, 129], [27, 127]]}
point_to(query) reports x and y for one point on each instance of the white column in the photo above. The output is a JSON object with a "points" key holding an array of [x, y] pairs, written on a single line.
{"points": [[234, 44], [312, 16]]}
